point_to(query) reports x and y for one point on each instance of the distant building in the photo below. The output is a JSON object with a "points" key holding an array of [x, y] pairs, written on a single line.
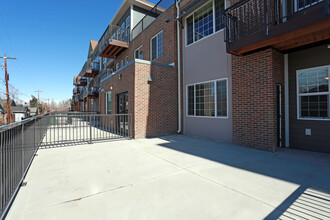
{"points": [[33, 111], [19, 112]]}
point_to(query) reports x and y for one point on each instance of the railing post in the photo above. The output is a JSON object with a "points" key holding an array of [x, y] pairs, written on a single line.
{"points": [[327, 6], [265, 17], [34, 133], [90, 128], [22, 149]]}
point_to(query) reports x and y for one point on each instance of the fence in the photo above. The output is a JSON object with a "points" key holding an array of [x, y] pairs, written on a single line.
{"points": [[251, 16], [20, 141]]}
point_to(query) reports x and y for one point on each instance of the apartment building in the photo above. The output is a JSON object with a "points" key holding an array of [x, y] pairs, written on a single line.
{"points": [[207, 81], [135, 60], [280, 73]]}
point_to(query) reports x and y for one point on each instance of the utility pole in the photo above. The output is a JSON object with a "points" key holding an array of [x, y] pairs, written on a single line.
{"points": [[38, 91], [9, 119]]}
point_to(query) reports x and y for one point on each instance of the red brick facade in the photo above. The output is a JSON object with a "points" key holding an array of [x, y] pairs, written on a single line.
{"points": [[254, 78], [153, 105]]}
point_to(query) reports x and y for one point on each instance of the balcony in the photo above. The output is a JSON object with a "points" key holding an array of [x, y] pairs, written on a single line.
{"points": [[79, 81], [114, 41], [76, 90], [254, 24], [91, 92], [92, 70]]}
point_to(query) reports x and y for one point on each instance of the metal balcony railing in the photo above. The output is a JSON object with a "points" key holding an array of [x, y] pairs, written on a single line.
{"points": [[247, 17], [157, 10], [114, 32]]}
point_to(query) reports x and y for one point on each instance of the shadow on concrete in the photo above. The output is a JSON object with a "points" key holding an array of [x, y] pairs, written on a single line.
{"points": [[310, 170]]}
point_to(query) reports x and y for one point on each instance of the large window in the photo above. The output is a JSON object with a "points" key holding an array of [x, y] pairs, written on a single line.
{"points": [[313, 93], [108, 101], [138, 54], [207, 99], [201, 23], [156, 46]]}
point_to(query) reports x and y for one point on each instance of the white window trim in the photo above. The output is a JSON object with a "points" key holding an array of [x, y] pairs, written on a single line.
{"points": [[136, 50], [117, 66], [192, 14], [312, 94], [215, 99], [155, 36], [106, 103]]}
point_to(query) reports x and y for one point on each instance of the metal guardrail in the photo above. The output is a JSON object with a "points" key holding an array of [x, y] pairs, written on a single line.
{"points": [[157, 10], [251, 16], [20, 141]]}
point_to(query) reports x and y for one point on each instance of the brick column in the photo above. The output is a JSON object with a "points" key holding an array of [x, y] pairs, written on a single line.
{"points": [[254, 78]]}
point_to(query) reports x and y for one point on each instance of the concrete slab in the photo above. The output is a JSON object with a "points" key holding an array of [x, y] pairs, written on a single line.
{"points": [[174, 177]]}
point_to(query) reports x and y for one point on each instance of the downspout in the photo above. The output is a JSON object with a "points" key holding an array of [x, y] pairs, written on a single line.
{"points": [[179, 64]]}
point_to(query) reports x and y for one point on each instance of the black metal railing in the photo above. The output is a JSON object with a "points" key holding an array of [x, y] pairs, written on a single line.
{"points": [[247, 17], [114, 32], [20, 141], [157, 10]]}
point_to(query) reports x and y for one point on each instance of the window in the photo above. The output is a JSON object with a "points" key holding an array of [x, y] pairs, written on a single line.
{"points": [[117, 66], [313, 93], [138, 54], [207, 99], [301, 4], [108, 101], [156, 46], [121, 63], [201, 23], [126, 60]]}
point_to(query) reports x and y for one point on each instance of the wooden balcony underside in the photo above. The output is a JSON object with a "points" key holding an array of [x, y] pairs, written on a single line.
{"points": [[304, 36], [82, 83], [91, 73], [298, 30], [113, 49]]}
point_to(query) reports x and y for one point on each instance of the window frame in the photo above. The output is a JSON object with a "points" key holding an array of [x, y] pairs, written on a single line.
{"points": [[117, 66], [296, 5], [311, 94], [139, 48], [156, 36], [192, 14], [215, 99], [126, 60], [106, 103]]}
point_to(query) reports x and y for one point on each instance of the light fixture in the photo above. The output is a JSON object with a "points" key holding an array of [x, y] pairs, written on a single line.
{"points": [[327, 78], [111, 87], [150, 78]]}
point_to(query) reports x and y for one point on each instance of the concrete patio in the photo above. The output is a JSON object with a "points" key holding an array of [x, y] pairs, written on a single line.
{"points": [[174, 177]]}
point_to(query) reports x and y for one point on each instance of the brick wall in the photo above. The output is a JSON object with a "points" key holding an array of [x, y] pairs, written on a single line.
{"points": [[153, 105], [254, 79], [156, 102]]}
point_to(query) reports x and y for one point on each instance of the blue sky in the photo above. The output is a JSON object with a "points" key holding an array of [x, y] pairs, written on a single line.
{"points": [[50, 40]]}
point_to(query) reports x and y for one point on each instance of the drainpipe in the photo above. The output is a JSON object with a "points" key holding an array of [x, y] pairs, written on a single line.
{"points": [[179, 64]]}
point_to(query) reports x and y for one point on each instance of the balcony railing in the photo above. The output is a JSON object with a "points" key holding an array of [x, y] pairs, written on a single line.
{"points": [[249, 17], [92, 70], [79, 81], [114, 41], [157, 10], [90, 91]]}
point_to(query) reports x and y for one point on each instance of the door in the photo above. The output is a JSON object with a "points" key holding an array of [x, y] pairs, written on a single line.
{"points": [[122, 108]]}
